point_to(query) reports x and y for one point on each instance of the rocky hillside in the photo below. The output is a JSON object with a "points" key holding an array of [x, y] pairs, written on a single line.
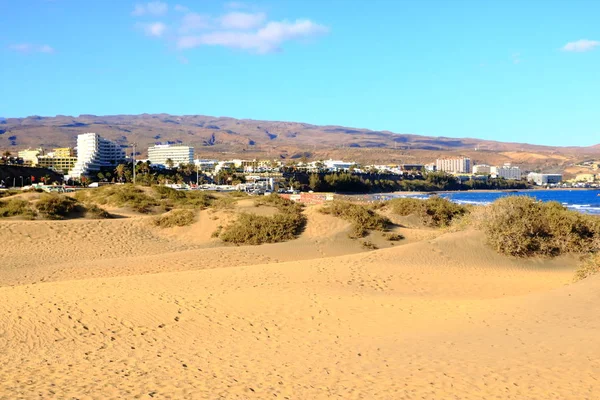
{"points": [[220, 137]]}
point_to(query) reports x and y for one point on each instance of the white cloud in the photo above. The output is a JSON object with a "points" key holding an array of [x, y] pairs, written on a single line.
{"points": [[152, 8], [153, 29], [193, 21], [581, 46], [266, 40], [180, 8], [240, 20], [31, 48]]}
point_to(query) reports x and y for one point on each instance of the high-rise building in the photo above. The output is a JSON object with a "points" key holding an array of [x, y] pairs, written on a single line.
{"points": [[95, 152], [507, 171], [178, 154], [461, 165]]}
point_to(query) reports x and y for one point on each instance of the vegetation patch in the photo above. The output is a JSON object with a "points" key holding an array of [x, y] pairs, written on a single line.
{"points": [[434, 212], [258, 229], [171, 198], [174, 218], [7, 193], [588, 267], [363, 218], [119, 196], [368, 245], [393, 237], [96, 212], [56, 206], [16, 208], [521, 226]]}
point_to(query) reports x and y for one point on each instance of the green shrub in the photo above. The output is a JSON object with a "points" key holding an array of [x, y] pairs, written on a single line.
{"points": [[363, 218], [282, 204], [434, 212], [16, 207], [119, 196], [177, 198], [174, 218], [56, 206], [223, 203], [521, 226], [588, 267], [257, 229]]}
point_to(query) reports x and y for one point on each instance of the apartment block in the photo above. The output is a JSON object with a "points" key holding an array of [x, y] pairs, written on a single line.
{"points": [[95, 152], [178, 154]]}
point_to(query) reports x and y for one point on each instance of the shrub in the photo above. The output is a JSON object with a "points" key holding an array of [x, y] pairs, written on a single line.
{"points": [[282, 204], [217, 232], [177, 198], [119, 196], [174, 218], [521, 226], [223, 203], [257, 229], [16, 207], [363, 218], [393, 237], [368, 245], [93, 211], [55, 206], [588, 267], [433, 212], [9, 192]]}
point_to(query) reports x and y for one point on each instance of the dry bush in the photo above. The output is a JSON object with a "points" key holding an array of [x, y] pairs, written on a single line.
{"points": [[96, 212], [56, 206], [393, 237], [368, 245], [521, 226], [9, 192], [589, 266], [174, 218], [282, 204], [363, 218], [16, 208], [434, 211]]}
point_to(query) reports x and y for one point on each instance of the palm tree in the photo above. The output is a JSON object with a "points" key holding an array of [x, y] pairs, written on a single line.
{"points": [[169, 163], [6, 154], [120, 171]]}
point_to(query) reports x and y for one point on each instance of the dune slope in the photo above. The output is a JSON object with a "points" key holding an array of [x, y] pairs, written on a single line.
{"points": [[440, 318]]}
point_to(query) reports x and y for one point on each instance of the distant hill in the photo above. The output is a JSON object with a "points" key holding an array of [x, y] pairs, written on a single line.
{"points": [[221, 137]]}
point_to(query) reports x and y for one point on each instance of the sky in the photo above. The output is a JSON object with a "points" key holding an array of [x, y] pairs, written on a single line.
{"points": [[507, 70]]}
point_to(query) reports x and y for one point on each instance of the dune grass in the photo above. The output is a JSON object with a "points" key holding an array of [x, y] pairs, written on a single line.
{"points": [[434, 212], [119, 196], [174, 218], [16, 208], [393, 237], [56, 206], [363, 218], [255, 229], [9, 192], [521, 226], [172, 198], [589, 266]]}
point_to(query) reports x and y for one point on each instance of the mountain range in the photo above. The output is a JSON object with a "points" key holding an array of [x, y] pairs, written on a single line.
{"points": [[226, 138]]}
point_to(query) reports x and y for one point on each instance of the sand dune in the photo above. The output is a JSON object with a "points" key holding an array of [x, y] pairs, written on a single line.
{"points": [[163, 315]]}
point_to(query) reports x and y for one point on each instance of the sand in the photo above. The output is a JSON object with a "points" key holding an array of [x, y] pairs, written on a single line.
{"points": [[120, 309]]}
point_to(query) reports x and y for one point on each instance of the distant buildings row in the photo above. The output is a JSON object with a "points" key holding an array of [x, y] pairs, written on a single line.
{"points": [[94, 153]]}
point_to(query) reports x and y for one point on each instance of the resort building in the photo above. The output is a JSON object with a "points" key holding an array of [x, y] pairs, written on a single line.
{"points": [[59, 164], [544, 179], [63, 152], [30, 157], [461, 165], [93, 153], [178, 154], [507, 171], [482, 169]]}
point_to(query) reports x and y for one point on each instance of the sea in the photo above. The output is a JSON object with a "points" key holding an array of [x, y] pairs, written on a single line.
{"points": [[585, 201]]}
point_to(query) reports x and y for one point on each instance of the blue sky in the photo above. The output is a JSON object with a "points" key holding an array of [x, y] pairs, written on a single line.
{"points": [[524, 71]]}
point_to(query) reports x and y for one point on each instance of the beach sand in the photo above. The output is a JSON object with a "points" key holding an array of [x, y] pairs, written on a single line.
{"points": [[112, 309]]}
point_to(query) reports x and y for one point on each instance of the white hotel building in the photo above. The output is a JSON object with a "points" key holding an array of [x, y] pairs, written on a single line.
{"points": [[160, 153], [93, 153], [507, 172], [460, 165]]}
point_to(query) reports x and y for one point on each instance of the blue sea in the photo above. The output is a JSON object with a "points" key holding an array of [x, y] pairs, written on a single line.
{"points": [[585, 201]]}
